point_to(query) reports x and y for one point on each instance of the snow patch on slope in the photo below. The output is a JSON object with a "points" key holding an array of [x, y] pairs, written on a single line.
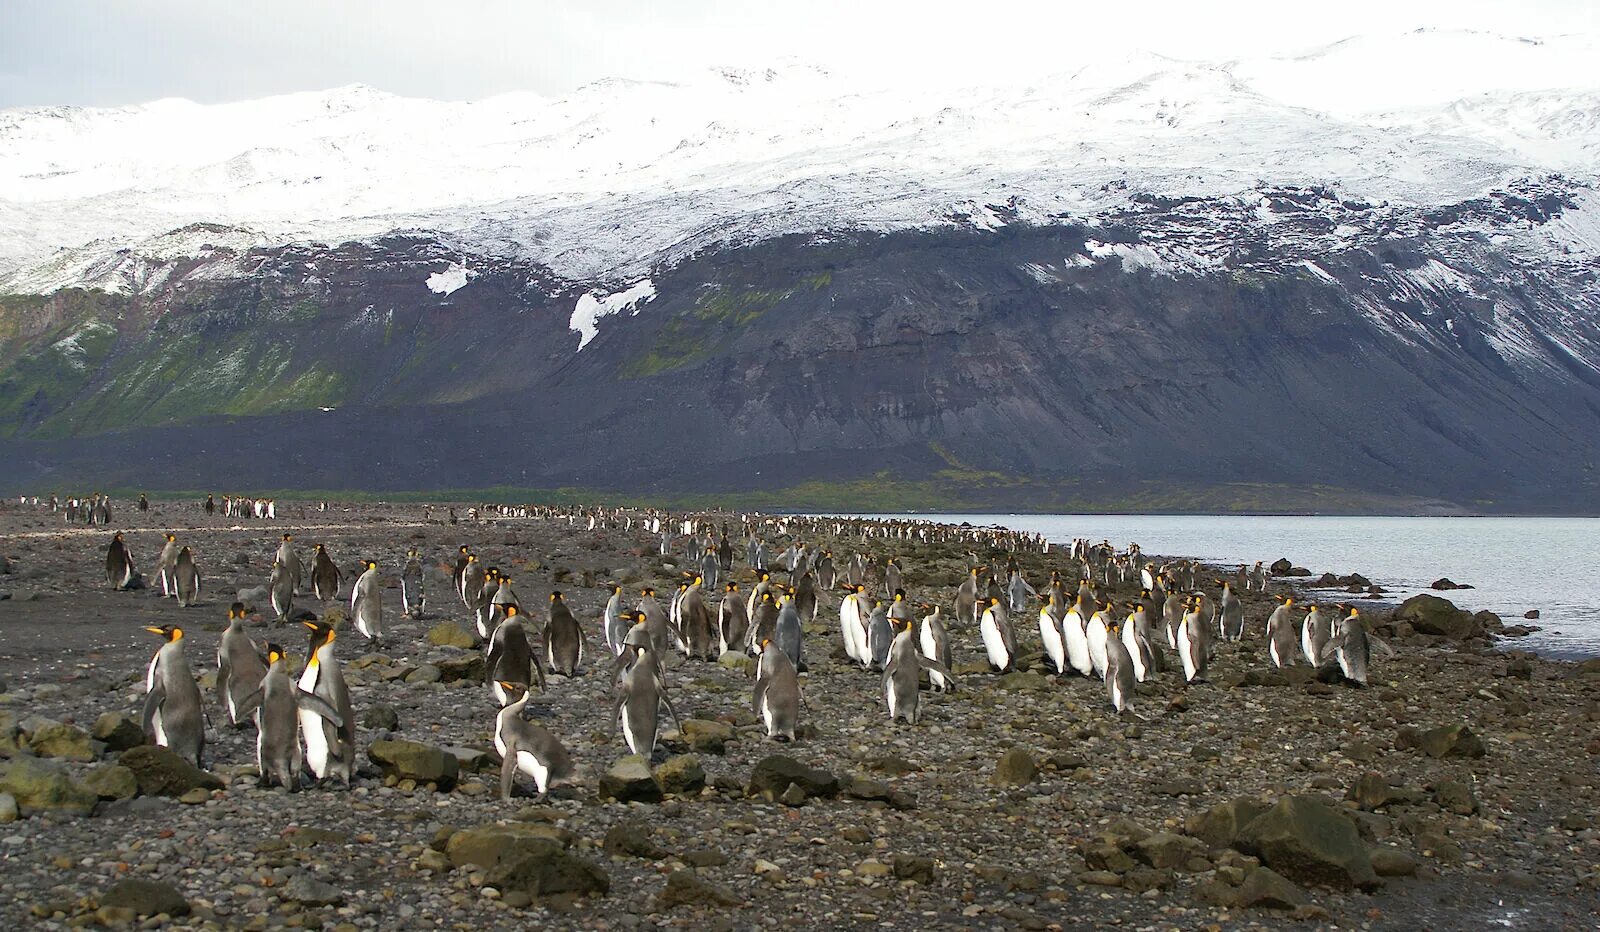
{"points": [[451, 280], [594, 305]]}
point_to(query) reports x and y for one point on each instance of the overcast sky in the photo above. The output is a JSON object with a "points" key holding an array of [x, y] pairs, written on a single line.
{"points": [[112, 52]]}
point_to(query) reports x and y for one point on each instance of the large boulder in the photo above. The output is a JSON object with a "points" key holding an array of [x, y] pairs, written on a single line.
{"points": [[1307, 840], [548, 871], [629, 779], [412, 760], [686, 888], [494, 844], [1429, 614], [40, 785], [450, 634], [1015, 767], [162, 772], [1450, 741], [145, 898], [682, 775], [118, 731], [64, 742], [707, 736], [111, 781], [774, 775], [1220, 825]]}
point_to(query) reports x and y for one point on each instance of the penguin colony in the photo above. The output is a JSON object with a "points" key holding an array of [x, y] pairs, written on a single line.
{"points": [[1168, 624]]}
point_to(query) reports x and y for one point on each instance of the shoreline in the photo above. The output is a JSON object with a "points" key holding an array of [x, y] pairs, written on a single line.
{"points": [[929, 825]]}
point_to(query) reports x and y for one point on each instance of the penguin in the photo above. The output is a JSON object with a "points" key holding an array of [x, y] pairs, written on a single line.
{"points": [[788, 633], [413, 601], [525, 745], [463, 557], [280, 587], [1194, 637], [366, 604], [1055, 649], [239, 667], [1119, 674], [277, 705], [853, 626], [967, 598], [173, 716], [1258, 577], [694, 620], [325, 575], [935, 644], [893, 579], [330, 746], [510, 657], [612, 624], [776, 696], [563, 638], [763, 584], [186, 578], [763, 623], [1138, 651], [1096, 632], [639, 696], [732, 622], [1281, 633], [164, 567], [655, 622], [1353, 649], [119, 563], [1315, 632], [1231, 611], [473, 575], [1172, 613], [1018, 591], [880, 634], [487, 607], [1075, 635], [998, 643], [289, 559], [805, 597]]}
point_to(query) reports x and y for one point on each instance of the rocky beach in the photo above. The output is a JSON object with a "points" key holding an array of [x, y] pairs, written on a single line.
{"points": [[1459, 789]]}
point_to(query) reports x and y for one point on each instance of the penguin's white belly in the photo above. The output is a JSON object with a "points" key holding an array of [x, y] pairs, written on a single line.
{"points": [[635, 741], [1050, 635], [766, 714], [160, 730], [994, 645], [1186, 651], [317, 751], [531, 766], [1118, 700], [1272, 648], [1096, 636], [1134, 656], [1077, 645]]}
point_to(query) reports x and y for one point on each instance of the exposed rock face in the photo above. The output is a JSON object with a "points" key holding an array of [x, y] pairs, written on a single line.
{"points": [[1305, 839], [915, 353]]}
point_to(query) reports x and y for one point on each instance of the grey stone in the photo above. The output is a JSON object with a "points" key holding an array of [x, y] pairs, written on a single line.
{"points": [[1309, 841], [412, 760], [146, 898], [629, 779], [1015, 768]]}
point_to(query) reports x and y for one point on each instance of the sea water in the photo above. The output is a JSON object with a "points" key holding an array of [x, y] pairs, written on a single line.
{"points": [[1514, 564]]}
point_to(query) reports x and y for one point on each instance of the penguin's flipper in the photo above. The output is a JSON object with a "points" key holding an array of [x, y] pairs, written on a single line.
{"points": [[152, 702], [508, 772], [756, 695], [248, 704], [491, 662], [312, 702], [662, 687], [1383, 646], [942, 670]]}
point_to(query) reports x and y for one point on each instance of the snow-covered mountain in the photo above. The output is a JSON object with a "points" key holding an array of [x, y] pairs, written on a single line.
{"points": [[620, 176]]}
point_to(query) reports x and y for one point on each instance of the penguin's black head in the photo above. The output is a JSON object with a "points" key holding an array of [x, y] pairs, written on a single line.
{"points": [[236, 610], [513, 691], [275, 654]]}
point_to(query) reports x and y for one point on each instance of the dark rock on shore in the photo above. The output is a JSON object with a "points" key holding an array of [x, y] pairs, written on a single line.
{"points": [[161, 772], [1306, 839]]}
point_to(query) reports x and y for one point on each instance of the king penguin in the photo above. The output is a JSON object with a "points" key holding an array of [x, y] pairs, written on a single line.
{"points": [[998, 644], [563, 638], [639, 696], [526, 746], [239, 667], [880, 634], [1315, 633], [366, 604], [413, 601], [165, 564], [325, 575], [510, 656], [1075, 635], [330, 747], [776, 696], [732, 623], [853, 626], [1281, 633], [280, 587], [173, 717], [935, 643], [187, 578], [612, 625], [1232, 612], [278, 705], [1055, 648], [1096, 632], [1354, 649], [119, 563], [1119, 670], [1194, 641], [788, 633]]}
